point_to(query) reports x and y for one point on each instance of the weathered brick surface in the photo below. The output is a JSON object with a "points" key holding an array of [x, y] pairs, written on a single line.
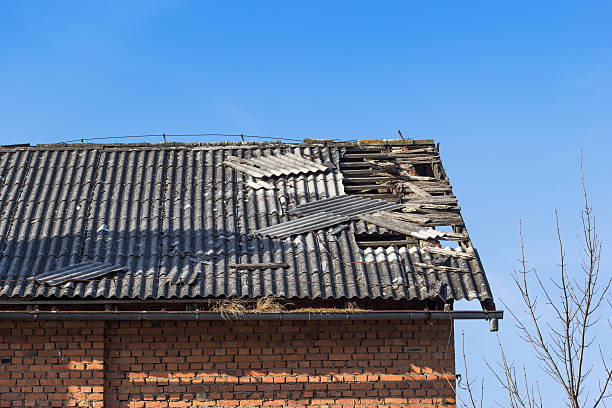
{"points": [[227, 364], [51, 364]]}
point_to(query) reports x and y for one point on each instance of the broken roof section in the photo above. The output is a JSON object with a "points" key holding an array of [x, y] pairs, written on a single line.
{"points": [[183, 222]]}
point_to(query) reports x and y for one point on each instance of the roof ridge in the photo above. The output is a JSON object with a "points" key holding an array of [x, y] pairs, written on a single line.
{"points": [[215, 145]]}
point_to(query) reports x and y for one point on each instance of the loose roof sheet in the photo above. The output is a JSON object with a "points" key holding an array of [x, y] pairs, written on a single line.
{"points": [[175, 221]]}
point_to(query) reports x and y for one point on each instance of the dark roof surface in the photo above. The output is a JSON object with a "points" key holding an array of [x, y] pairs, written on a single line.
{"points": [[186, 220]]}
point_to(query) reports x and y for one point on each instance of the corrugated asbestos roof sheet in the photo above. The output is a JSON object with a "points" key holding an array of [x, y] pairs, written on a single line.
{"points": [[302, 225], [325, 213], [345, 205], [78, 272], [176, 218], [269, 165]]}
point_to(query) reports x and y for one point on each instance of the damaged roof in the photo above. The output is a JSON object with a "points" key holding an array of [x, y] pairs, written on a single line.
{"points": [[302, 220]]}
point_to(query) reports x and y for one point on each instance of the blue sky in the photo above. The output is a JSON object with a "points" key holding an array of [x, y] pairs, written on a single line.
{"points": [[511, 90]]}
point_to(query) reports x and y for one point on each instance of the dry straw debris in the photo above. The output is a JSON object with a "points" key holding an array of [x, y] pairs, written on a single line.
{"points": [[233, 308]]}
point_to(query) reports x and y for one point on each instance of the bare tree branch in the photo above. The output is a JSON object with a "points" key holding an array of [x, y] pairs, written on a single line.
{"points": [[562, 334]]}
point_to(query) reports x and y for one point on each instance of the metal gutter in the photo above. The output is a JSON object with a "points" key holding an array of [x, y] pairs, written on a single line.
{"points": [[196, 315], [89, 301]]}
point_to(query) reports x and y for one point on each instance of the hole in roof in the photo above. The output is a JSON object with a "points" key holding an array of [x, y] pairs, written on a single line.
{"points": [[424, 169], [451, 244], [368, 172], [441, 260], [365, 240]]}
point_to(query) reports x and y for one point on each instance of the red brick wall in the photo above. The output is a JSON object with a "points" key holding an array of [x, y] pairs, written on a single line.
{"points": [[230, 364]]}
